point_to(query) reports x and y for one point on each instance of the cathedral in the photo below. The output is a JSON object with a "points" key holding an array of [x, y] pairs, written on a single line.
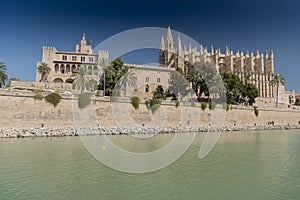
{"points": [[259, 67]]}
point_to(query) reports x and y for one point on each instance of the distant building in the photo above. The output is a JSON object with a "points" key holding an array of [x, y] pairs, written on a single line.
{"points": [[260, 67], [64, 64]]}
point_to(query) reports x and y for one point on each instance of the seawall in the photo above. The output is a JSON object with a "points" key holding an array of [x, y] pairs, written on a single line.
{"points": [[20, 109]]}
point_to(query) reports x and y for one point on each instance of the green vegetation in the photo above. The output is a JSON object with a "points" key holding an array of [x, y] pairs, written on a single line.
{"points": [[178, 86], [256, 112], [212, 105], [113, 73], [82, 83], [44, 70], [193, 104], [38, 96], [237, 91], [154, 104], [84, 99], [3, 74], [203, 105], [159, 93], [53, 98], [177, 103], [135, 102], [226, 106], [277, 80]]}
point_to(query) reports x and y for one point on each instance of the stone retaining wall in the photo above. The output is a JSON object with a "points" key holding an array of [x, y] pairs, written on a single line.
{"points": [[25, 111]]}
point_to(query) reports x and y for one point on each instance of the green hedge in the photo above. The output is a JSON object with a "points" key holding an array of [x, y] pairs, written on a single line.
{"points": [[135, 102], [53, 99], [38, 96], [203, 105], [256, 112]]}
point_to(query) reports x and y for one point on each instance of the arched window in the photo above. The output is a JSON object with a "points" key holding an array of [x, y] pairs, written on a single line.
{"points": [[95, 71], [56, 68], [62, 68], [147, 88], [68, 69], [90, 70]]}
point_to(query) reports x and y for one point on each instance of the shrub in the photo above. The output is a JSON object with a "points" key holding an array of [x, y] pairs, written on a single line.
{"points": [[212, 105], [135, 102], [154, 104], [177, 103], [256, 112], [193, 104], [53, 98], [38, 96], [147, 103], [203, 105], [84, 99], [226, 106]]}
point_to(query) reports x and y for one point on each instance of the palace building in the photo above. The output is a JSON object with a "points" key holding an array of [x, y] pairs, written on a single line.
{"points": [[63, 64]]}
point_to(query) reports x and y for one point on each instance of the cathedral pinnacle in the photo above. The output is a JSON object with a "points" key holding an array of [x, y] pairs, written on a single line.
{"points": [[169, 38], [162, 43]]}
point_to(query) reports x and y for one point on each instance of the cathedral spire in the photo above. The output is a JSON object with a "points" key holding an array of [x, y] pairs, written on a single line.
{"points": [[162, 43], [179, 47], [169, 38]]}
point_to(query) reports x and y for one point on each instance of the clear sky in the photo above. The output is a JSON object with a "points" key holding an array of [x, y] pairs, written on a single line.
{"points": [[253, 25]]}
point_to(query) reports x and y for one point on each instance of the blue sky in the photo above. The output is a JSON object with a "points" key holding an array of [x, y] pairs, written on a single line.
{"points": [[26, 26]]}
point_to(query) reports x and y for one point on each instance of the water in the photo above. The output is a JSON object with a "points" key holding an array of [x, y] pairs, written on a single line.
{"points": [[243, 165]]}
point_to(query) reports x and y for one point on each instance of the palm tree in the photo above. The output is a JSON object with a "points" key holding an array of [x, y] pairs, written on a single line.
{"points": [[3, 74], [44, 70], [82, 82], [129, 79], [104, 64], [277, 79]]}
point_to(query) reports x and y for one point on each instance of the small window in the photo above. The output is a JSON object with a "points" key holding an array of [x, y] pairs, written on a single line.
{"points": [[158, 80], [82, 59], [147, 79], [64, 57], [91, 59], [73, 58]]}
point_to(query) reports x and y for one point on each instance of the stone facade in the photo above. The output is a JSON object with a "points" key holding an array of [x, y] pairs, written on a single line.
{"points": [[63, 64], [148, 78], [259, 67]]}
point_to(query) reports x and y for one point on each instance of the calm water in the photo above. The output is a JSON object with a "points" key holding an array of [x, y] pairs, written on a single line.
{"points": [[253, 165]]}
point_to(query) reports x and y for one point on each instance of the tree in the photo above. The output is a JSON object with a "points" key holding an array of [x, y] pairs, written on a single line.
{"points": [[44, 70], [129, 79], [277, 80], [82, 82], [205, 80], [178, 85], [234, 87], [3, 74], [250, 92], [111, 76], [159, 93], [103, 63]]}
